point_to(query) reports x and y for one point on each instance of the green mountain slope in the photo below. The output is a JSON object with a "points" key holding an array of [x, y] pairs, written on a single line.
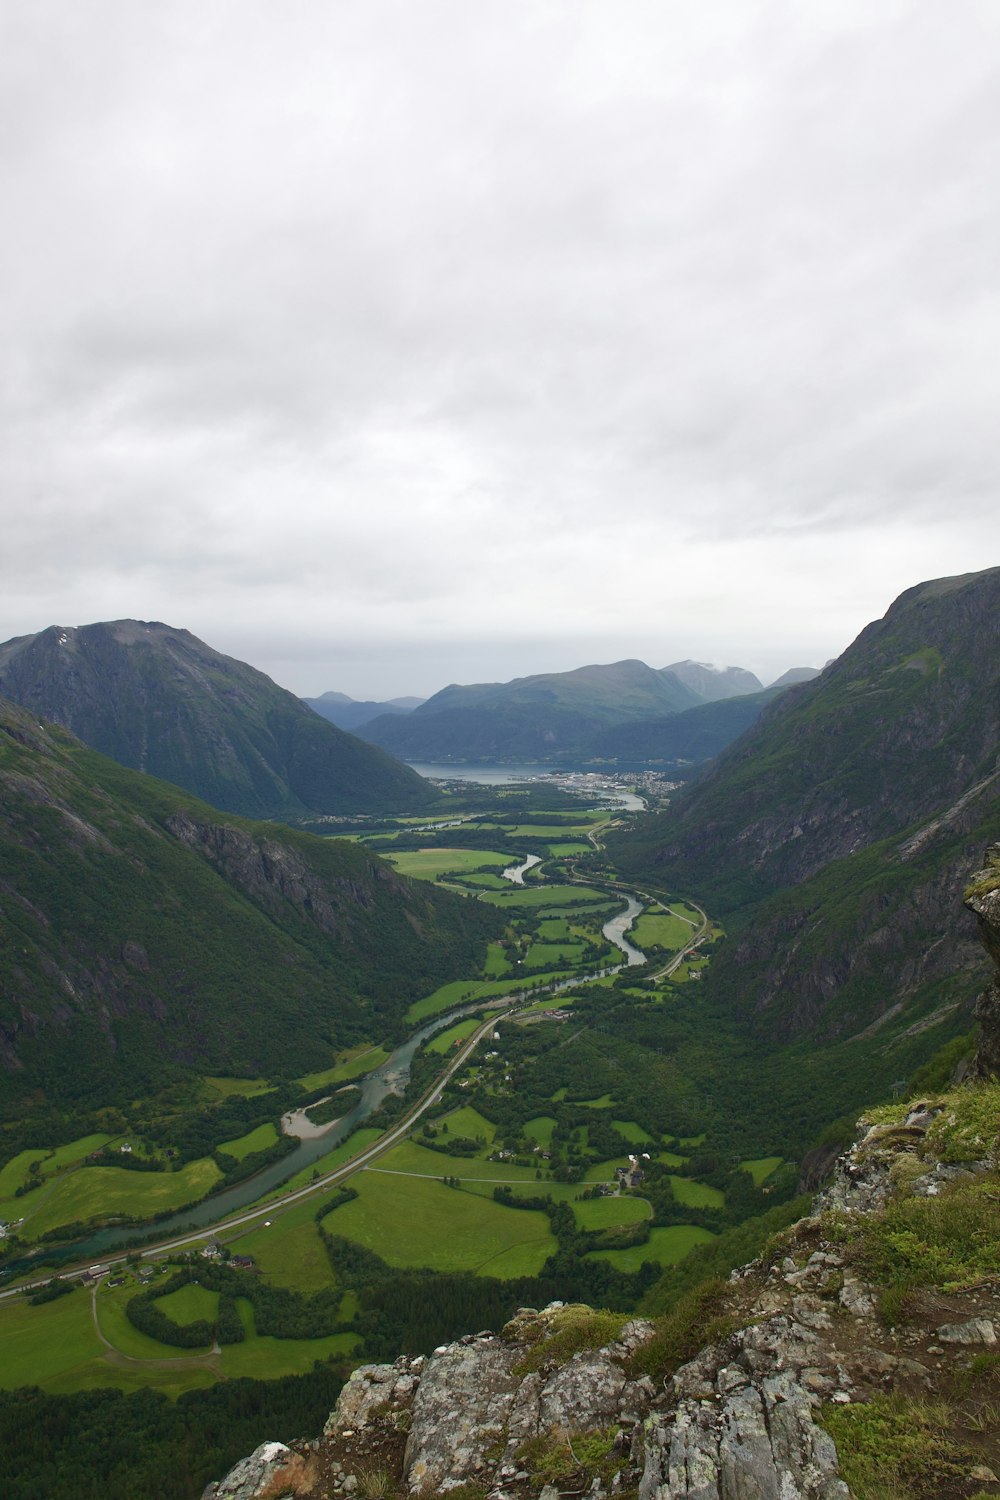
{"points": [[832, 836], [694, 736], [160, 700], [143, 932], [551, 714]]}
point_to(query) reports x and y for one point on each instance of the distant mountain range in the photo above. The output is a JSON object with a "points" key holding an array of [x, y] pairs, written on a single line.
{"points": [[145, 936], [348, 713], [834, 836], [159, 700], [624, 710]]}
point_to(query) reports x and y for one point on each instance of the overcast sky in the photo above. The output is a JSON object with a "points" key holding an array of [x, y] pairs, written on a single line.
{"points": [[384, 345]]}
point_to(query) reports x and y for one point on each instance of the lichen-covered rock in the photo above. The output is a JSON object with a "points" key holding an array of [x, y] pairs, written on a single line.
{"points": [[983, 898], [271, 1472]]}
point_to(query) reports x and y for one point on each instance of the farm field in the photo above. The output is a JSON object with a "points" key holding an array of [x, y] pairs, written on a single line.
{"points": [[349, 1065], [254, 1140], [289, 1253], [692, 1194], [661, 930], [427, 864], [412, 1222], [761, 1169], [666, 1246], [445, 1040], [93, 1192], [546, 895]]}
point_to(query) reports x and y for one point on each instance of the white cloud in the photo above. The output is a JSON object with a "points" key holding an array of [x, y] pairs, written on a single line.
{"points": [[384, 345]]}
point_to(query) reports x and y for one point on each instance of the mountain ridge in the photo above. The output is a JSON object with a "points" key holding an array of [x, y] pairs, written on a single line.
{"points": [[159, 700]]}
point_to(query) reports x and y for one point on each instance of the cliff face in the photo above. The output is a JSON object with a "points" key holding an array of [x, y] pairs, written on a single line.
{"points": [[831, 838], [983, 898]]}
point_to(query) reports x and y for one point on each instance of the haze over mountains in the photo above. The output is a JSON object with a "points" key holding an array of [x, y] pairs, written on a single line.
{"points": [[159, 700], [566, 715]]}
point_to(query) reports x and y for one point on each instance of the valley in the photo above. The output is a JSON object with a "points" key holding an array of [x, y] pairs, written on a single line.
{"points": [[510, 1153]]}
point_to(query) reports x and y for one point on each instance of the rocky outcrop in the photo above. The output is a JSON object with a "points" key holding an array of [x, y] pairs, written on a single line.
{"points": [[567, 1400], [983, 898]]}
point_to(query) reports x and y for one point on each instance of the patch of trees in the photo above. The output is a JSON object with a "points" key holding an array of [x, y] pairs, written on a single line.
{"points": [[106, 1445], [57, 1287], [235, 1170]]}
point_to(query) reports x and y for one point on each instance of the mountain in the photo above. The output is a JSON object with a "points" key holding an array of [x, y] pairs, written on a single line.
{"points": [[145, 935], [349, 713], [552, 713], [795, 675], [696, 735], [159, 700], [831, 836], [712, 683]]}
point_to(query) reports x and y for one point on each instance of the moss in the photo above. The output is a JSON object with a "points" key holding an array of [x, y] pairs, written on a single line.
{"points": [[894, 1449], [578, 1459], [947, 1242], [968, 1128], [697, 1319], [573, 1329]]}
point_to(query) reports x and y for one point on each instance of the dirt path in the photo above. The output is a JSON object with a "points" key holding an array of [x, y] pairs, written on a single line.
{"points": [[114, 1356]]}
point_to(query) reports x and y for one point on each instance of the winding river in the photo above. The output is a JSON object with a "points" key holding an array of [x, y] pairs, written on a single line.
{"points": [[390, 1077]]}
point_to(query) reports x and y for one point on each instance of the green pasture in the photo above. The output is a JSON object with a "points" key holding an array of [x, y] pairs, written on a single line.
{"points": [[606, 1101], [632, 1132], [553, 930], [445, 1040], [101, 1192], [480, 878], [470, 1123], [547, 831], [558, 1002], [465, 991], [545, 955], [692, 1194], [427, 864], [497, 963], [263, 1357], [603, 1171], [545, 895], [412, 1221], [611, 1213], [413, 1159], [224, 1088], [761, 1168], [190, 1303], [118, 1331], [572, 846], [351, 1064], [665, 1246], [661, 930], [42, 1343], [540, 1129], [16, 1171], [290, 1253], [254, 1140]]}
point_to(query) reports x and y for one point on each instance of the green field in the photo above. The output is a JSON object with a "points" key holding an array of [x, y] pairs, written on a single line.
{"points": [[549, 955], [15, 1173], [409, 1157], [289, 1253], [100, 1192], [470, 1123], [692, 1194], [413, 1221], [540, 1129], [611, 1213], [665, 1246], [427, 864], [224, 1088], [497, 962], [761, 1168], [42, 1342], [661, 930], [606, 1101], [632, 1132], [445, 1040], [190, 1303], [254, 1140], [265, 1358], [349, 1065], [546, 895]]}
